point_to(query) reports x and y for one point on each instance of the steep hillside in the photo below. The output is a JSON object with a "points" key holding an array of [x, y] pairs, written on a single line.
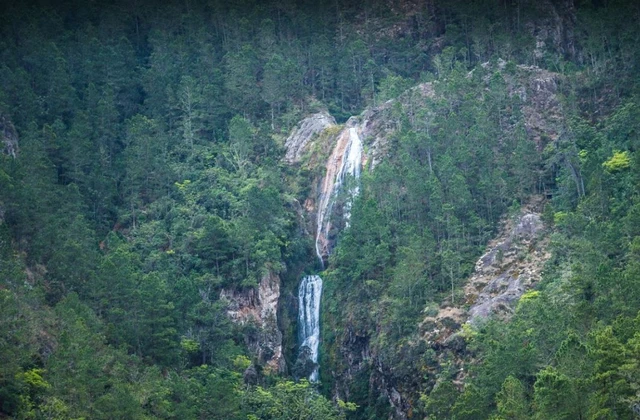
{"points": [[394, 134], [404, 247], [319, 209]]}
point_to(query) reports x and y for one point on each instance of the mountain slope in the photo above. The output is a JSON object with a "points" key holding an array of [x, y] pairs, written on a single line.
{"points": [[155, 222]]}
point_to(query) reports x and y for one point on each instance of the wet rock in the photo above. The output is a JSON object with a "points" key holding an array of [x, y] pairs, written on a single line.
{"points": [[304, 365]]}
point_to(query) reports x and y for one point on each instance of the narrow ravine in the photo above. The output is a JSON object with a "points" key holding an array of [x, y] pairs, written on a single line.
{"points": [[345, 162]]}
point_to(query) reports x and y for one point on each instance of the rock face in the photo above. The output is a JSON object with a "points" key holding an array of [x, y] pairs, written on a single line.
{"points": [[305, 131], [8, 136], [553, 28], [260, 307], [510, 267], [512, 264], [538, 89]]}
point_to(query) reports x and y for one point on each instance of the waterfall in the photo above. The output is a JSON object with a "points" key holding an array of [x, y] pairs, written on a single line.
{"points": [[351, 164], [309, 318], [348, 155], [345, 162]]}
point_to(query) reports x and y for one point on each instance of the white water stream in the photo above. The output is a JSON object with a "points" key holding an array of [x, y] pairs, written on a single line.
{"points": [[309, 295], [350, 165], [310, 290]]}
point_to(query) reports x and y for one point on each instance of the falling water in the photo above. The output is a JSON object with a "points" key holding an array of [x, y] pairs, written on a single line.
{"points": [[350, 164], [309, 318], [310, 289]]}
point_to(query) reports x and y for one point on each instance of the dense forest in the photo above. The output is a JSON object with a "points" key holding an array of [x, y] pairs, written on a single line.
{"points": [[144, 193]]}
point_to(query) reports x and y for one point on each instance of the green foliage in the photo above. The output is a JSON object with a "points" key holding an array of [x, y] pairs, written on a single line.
{"points": [[574, 369], [618, 162], [288, 400], [512, 400], [148, 180], [423, 216], [391, 87], [439, 403]]}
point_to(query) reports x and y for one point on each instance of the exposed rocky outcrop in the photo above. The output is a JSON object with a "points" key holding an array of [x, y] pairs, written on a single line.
{"points": [[538, 90], [542, 111], [553, 28], [306, 130], [260, 307], [511, 266], [358, 355], [440, 327], [8, 136]]}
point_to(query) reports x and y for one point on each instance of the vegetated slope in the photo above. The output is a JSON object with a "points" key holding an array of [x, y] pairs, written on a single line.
{"points": [[144, 206], [451, 156], [418, 136], [428, 209]]}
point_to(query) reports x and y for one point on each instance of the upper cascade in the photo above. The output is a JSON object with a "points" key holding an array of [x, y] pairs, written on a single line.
{"points": [[537, 88], [351, 165], [345, 162]]}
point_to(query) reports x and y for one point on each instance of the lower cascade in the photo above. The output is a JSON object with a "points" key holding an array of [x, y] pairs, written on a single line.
{"points": [[309, 295]]}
